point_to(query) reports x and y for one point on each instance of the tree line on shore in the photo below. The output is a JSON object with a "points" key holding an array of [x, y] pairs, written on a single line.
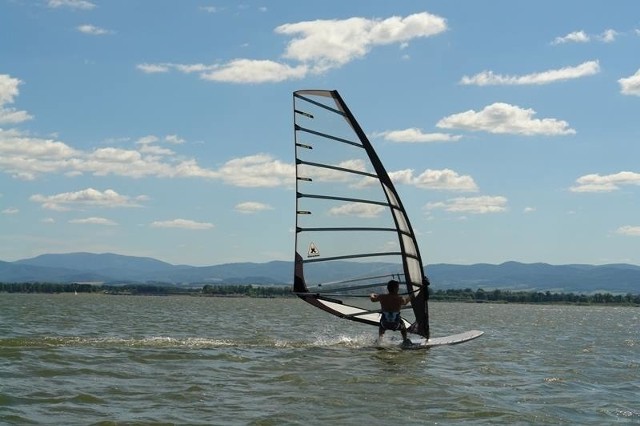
{"points": [[157, 289], [239, 290], [510, 296]]}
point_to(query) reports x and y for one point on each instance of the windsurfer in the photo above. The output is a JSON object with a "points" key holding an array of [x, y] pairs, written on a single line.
{"points": [[391, 304]]}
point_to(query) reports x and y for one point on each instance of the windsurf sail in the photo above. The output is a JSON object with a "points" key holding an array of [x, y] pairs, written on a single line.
{"points": [[352, 232]]}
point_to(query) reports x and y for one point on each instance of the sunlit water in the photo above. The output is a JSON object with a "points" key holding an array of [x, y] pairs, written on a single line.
{"points": [[96, 359]]}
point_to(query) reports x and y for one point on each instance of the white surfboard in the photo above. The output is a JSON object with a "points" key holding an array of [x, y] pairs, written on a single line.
{"points": [[454, 339]]}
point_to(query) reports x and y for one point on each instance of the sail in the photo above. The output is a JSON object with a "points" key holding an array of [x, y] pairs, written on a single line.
{"points": [[352, 231]]}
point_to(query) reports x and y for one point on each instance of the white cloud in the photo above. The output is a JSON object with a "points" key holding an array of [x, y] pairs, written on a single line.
{"points": [[574, 37], [632, 231], [26, 158], [254, 71], [332, 43], [488, 78], [235, 71], [92, 30], [259, 170], [317, 46], [146, 145], [154, 150], [504, 118], [8, 88], [529, 210], [154, 68], [86, 197], [11, 116], [608, 36], [209, 9], [71, 4], [146, 140], [193, 68], [606, 183], [10, 210], [94, 221], [182, 224], [252, 207], [630, 85], [8, 91], [357, 209], [415, 135], [174, 139], [446, 179], [473, 205]]}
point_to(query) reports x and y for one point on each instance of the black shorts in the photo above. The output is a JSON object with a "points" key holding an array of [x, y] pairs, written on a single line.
{"points": [[395, 325]]}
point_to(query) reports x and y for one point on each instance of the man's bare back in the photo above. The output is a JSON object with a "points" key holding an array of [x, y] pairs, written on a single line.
{"points": [[390, 302]]}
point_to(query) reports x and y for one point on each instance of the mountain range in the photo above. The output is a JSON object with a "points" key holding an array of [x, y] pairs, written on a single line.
{"points": [[112, 268]]}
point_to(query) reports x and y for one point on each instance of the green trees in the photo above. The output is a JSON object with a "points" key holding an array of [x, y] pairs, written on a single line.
{"points": [[38, 287], [240, 290], [245, 290], [480, 295], [156, 289]]}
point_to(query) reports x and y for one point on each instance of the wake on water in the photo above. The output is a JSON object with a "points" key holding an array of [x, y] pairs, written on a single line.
{"points": [[325, 340]]}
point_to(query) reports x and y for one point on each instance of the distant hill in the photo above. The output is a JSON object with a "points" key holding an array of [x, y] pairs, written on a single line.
{"points": [[113, 269]]}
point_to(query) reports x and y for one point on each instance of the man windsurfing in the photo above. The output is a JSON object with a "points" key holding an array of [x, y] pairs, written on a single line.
{"points": [[391, 304]]}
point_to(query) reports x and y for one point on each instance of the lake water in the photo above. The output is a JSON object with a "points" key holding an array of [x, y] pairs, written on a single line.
{"points": [[96, 359]]}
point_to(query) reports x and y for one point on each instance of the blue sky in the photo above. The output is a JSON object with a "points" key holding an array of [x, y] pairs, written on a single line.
{"points": [[164, 128]]}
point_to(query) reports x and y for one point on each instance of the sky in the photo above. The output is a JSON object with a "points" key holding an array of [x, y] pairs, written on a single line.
{"points": [[163, 129]]}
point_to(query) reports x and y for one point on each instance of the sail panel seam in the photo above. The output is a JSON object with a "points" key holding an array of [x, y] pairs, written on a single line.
{"points": [[351, 256], [340, 169], [328, 136]]}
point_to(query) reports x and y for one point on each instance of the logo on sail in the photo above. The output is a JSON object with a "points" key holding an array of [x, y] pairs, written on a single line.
{"points": [[313, 251]]}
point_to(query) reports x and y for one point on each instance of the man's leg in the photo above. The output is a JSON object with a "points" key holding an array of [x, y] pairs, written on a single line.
{"points": [[403, 330]]}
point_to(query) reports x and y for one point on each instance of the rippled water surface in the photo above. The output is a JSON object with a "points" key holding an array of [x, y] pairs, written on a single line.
{"points": [[96, 359]]}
